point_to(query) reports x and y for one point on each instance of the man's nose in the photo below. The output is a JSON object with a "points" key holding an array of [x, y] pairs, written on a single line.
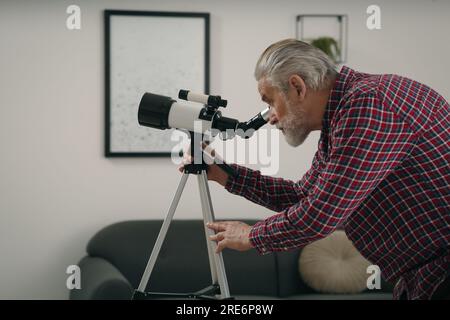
{"points": [[273, 118]]}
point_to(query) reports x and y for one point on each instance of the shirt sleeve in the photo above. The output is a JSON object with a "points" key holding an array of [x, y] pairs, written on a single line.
{"points": [[273, 193], [367, 142]]}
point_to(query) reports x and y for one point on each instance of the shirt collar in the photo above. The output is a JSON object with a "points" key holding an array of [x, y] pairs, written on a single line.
{"points": [[340, 86]]}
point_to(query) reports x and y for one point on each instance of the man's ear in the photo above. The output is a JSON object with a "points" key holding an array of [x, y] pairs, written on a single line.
{"points": [[297, 83]]}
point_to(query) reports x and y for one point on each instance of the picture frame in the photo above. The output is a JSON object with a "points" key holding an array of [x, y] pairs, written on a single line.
{"points": [[150, 51], [330, 31]]}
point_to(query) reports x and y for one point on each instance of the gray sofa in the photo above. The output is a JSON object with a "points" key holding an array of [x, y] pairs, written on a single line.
{"points": [[117, 256]]}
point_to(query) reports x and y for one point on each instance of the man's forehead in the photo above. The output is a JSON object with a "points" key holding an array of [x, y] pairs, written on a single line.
{"points": [[264, 87]]}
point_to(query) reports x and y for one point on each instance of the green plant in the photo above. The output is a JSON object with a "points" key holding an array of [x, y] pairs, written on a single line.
{"points": [[329, 46]]}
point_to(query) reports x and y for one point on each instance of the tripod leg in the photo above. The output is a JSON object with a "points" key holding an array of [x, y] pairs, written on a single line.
{"points": [[206, 218], [216, 260], [162, 234]]}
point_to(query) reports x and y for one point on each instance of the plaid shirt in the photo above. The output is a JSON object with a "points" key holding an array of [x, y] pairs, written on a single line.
{"points": [[381, 171]]}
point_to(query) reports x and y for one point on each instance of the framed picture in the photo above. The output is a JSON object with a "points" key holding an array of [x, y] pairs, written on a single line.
{"points": [[327, 32], [148, 51]]}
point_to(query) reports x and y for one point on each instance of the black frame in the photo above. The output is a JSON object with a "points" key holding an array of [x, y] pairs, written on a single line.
{"points": [[342, 18], [107, 15]]}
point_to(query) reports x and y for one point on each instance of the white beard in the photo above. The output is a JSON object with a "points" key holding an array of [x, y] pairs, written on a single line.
{"points": [[294, 126]]}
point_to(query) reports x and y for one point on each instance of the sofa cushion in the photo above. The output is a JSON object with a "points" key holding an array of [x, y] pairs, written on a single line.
{"points": [[333, 265]]}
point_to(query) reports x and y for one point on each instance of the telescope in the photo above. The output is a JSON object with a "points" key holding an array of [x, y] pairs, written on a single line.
{"points": [[162, 112]]}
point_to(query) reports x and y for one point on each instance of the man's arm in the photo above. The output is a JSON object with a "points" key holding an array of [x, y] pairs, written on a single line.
{"points": [[368, 142], [273, 193]]}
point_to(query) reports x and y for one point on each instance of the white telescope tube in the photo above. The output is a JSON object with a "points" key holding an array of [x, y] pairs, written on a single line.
{"points": [[187, 117]]}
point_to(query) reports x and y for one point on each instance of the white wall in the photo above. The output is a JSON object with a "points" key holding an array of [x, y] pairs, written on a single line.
{"points": [[57, 189]]}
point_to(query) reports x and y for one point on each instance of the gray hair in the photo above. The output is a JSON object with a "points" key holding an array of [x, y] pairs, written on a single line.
{"points": [[287, 57]]}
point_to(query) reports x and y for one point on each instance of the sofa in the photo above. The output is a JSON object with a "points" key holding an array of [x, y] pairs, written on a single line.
{"points": [[117, 255]]}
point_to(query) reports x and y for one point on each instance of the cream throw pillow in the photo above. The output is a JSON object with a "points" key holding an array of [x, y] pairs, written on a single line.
{"points": [[333, 265]]}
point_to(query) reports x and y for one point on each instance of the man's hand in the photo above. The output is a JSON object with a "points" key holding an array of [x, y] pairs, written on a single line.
{"points": [[231, 234]]}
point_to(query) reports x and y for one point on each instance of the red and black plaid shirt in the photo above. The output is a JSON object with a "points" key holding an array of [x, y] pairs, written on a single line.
{"points": [[381, 170]]}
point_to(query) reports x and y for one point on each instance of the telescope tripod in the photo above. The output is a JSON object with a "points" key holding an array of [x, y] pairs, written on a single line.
{"points": [[219, 287]]}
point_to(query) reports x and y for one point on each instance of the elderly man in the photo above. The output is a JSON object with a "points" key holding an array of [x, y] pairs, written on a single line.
{"points": [[381, 169]]}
